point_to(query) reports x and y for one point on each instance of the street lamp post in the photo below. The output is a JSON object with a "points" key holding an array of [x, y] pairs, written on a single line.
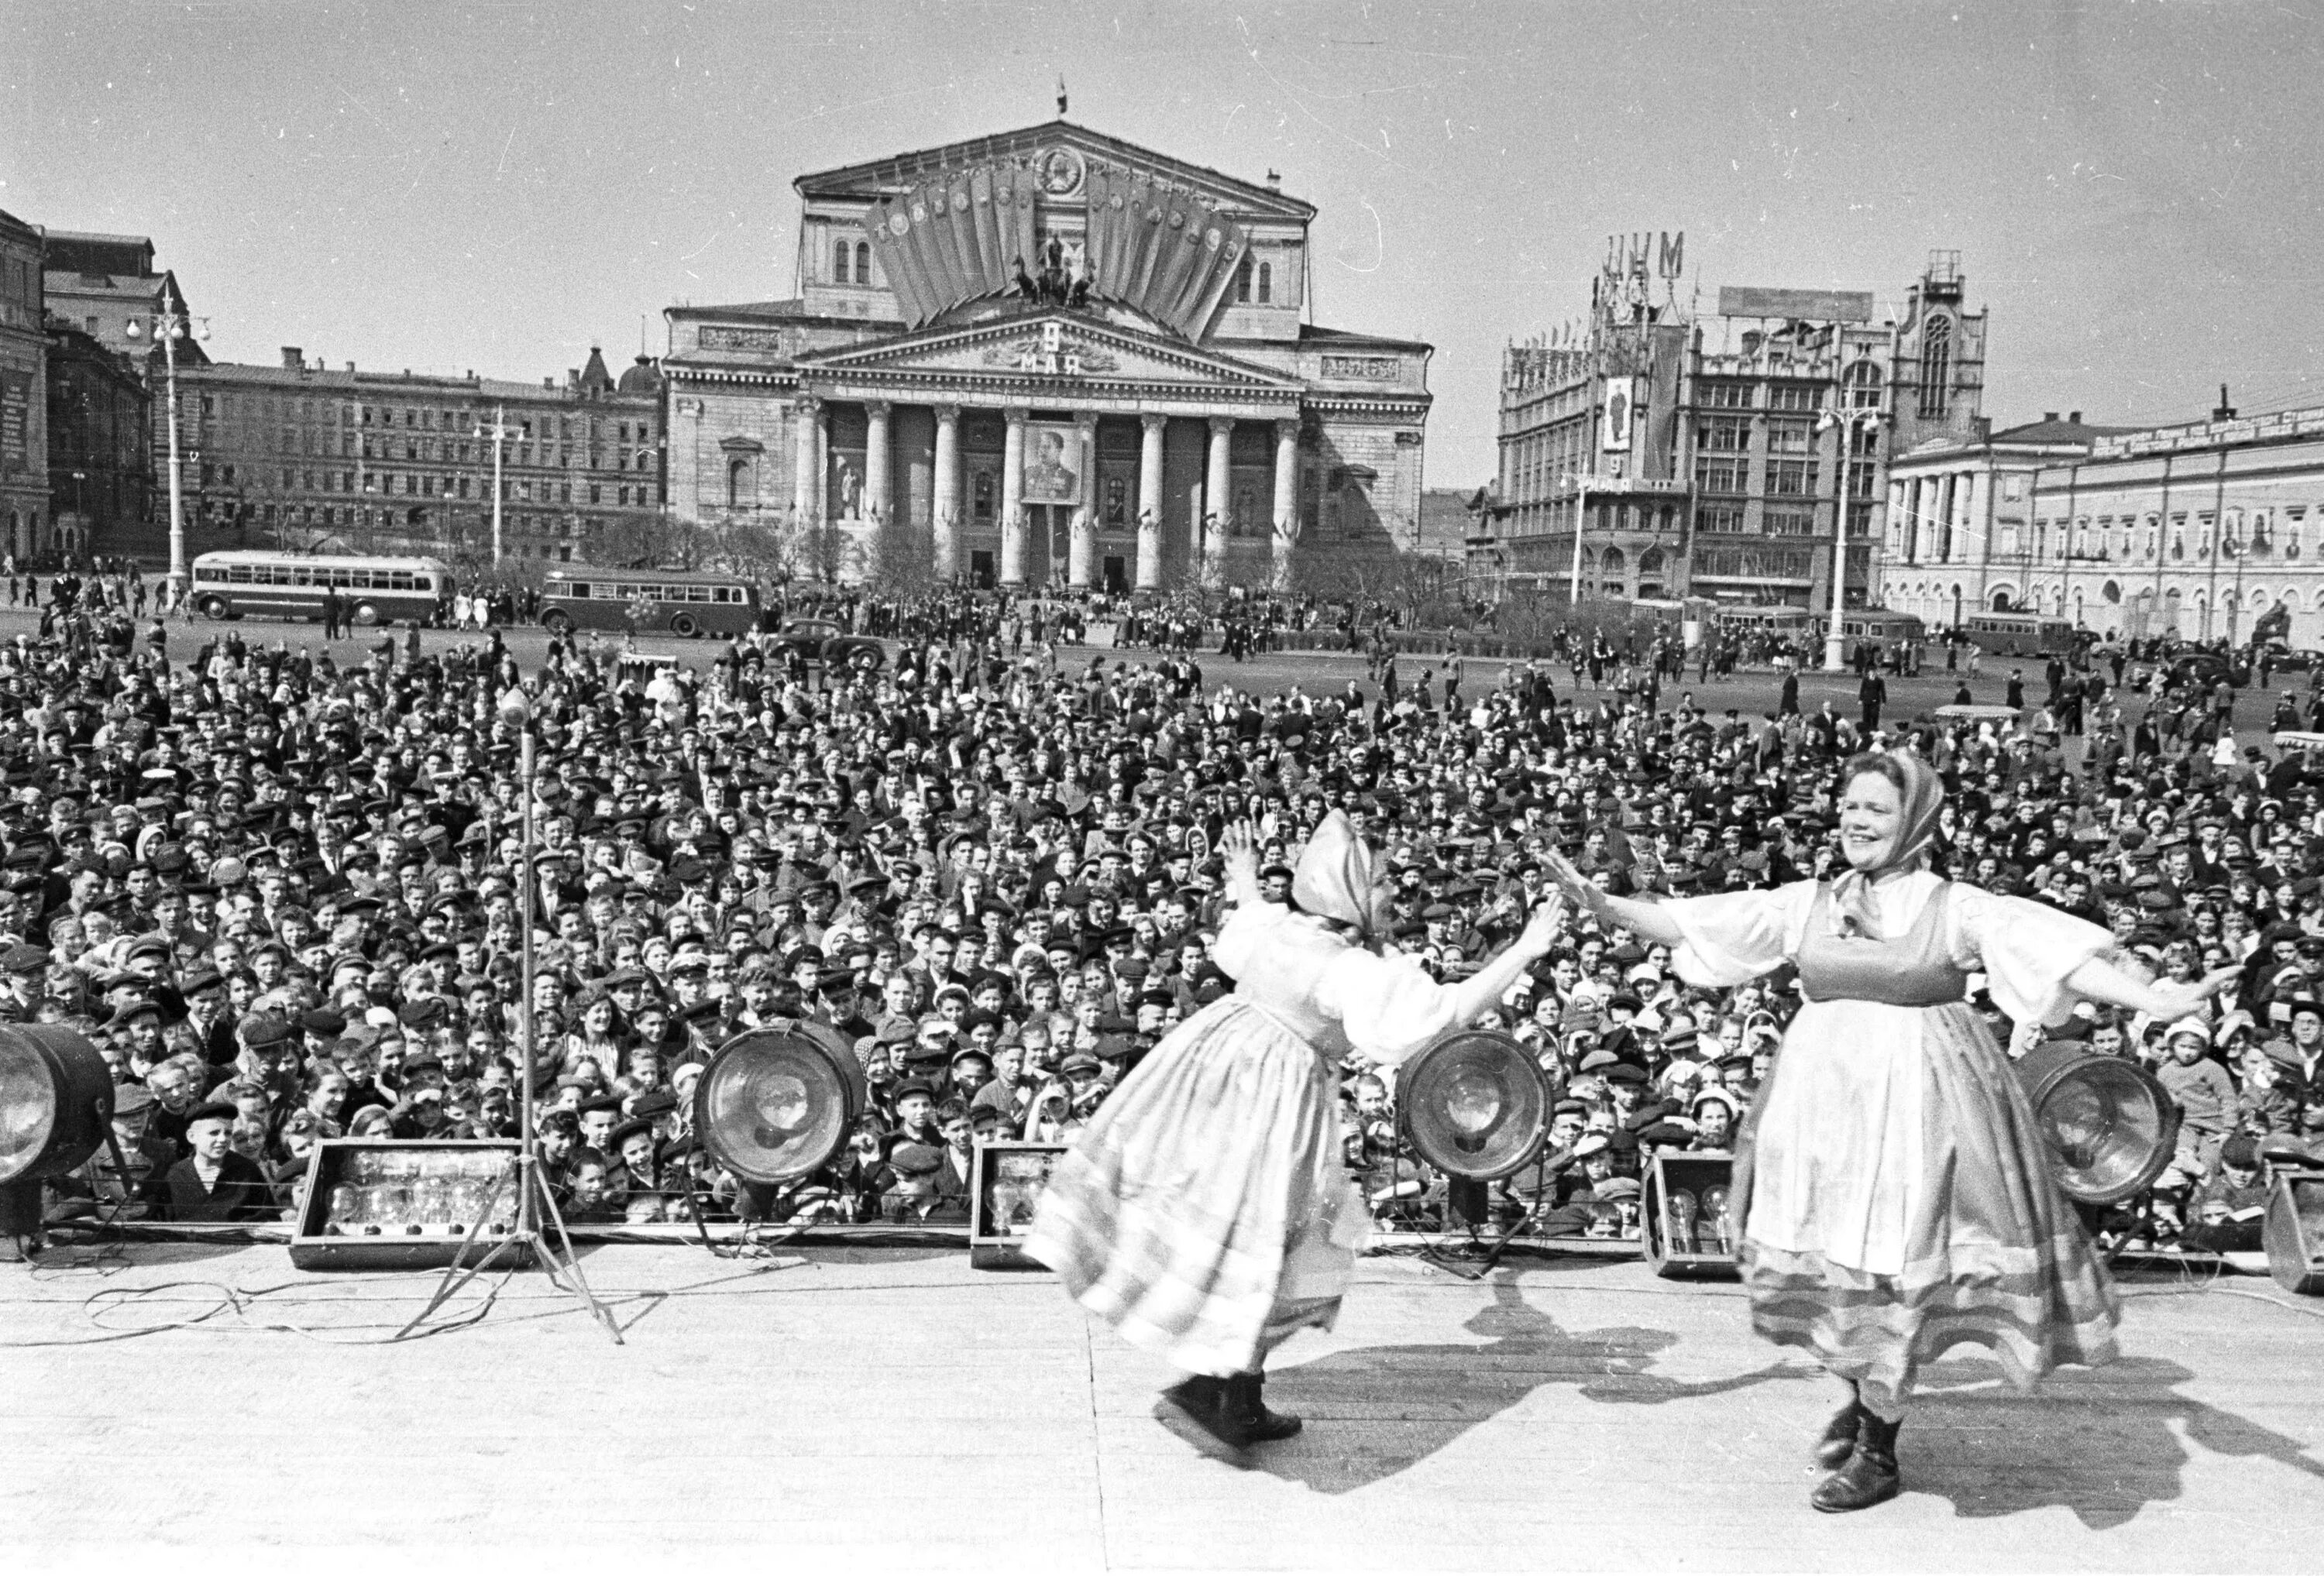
{"points": [[1835, 643], [1581, 510], [499, 433], [169, 325]]}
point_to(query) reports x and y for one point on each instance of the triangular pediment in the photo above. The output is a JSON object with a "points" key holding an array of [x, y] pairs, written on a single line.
{"points": [[1058, 344], [1061, 155]]}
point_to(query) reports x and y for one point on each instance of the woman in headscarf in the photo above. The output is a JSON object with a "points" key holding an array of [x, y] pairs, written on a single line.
{"points": [[1894, 1191], [1205, 1213]]}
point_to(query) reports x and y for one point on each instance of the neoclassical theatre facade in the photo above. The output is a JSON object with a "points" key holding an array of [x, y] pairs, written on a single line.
{"points": [[1048, 357]]}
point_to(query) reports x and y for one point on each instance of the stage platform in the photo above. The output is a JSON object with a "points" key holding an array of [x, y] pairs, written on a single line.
{"points": [[868, 1410]]}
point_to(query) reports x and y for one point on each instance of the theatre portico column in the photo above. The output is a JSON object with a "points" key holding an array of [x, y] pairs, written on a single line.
{"points": [[944, 514], [877, 469], [1012, 501], [1286, 498], [1214, 524], [806, 421], [1081, 554], [1149, 503]]}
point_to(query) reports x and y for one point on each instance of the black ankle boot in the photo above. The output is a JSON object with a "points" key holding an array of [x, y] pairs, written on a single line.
{"points": [[1212, 1405], [1870, 1477], [1839, 1441], [1246, 1400]]}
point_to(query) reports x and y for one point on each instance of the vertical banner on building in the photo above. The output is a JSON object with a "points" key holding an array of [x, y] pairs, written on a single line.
{"points": [[1234, 248], [975, 274], [1137, 235], [1029, 233], [937, 193], [1224, 246], [988, 228], [1620, 414], [15, 422], [1182, 238], [919, 250], [887, 226], [1098, 204]]}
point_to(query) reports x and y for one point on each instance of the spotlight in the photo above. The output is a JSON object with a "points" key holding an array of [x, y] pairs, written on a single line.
{"points": [[2112, 1128], [778, 1104], [56, 1107], [1474, 1105]]}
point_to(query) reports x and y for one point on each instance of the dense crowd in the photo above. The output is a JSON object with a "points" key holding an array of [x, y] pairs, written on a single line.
{"points": [[281, 889]]}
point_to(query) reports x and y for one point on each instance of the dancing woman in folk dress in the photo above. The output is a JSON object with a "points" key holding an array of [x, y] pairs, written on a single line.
{"points": [[1896, 1194], [1205, 1213]]}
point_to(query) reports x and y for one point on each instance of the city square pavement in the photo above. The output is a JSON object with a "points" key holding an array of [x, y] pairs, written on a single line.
{"points": [[209, 1407]]}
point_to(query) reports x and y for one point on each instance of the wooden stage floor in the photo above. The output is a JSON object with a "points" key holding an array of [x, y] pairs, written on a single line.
{"points": [[875, 1410]]}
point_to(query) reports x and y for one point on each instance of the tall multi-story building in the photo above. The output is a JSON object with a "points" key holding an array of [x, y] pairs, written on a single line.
{"points": [[100, 425], [24, 392], [300, 453], [1702, 454], [1048, 356], [2200, 530]]}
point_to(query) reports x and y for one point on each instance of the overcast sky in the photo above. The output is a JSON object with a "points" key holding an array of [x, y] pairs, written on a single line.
{"points": [[2133, 187]]}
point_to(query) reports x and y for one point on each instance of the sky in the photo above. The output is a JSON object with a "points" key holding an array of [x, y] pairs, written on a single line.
{"points": [[449, 185]]}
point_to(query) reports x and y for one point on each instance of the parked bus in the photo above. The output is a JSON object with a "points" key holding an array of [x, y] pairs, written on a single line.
{"points": [[2019, 634], [1777, 618], [576, 596], [240, 583], [1873, 624]]}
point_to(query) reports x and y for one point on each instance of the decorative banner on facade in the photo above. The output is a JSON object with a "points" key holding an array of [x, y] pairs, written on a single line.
{"points": [[1814, 305], [1621, 413], [1053, 463], [958, 236], [15, 421]]}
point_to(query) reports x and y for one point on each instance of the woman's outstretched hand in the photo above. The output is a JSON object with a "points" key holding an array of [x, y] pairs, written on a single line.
{"points": [[1543, 929], [1578, 888], [1239, 850], [2169, 999]]}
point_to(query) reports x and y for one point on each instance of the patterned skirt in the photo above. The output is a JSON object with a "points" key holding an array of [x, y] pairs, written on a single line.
{"points": [[1900, 1202], [1203, 1213]]}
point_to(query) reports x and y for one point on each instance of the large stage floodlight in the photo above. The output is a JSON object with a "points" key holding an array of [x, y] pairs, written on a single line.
{"points": [[56, 1107], [778, 1104], [1474, 1105], [2112, 1127]]}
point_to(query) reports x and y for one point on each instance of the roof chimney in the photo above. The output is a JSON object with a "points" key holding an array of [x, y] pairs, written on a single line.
{"points": [[351, 366], [2225, 412], [1274, 180], [293, 359], [2075, 417], [2048, 415]]}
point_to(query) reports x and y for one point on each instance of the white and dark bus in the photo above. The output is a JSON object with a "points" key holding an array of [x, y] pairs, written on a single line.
{"points": [[247, 583]]}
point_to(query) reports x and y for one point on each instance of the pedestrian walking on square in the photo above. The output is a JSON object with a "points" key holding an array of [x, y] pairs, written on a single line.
{"points": [[1203, 1213], [1895, 1193]]}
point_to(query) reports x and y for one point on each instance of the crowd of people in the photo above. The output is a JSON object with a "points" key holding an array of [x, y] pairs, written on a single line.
{"points": [[281, 891]]}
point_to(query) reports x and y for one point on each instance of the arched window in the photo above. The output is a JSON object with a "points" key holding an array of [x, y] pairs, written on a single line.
{"points": [[742, 482], [863, 262], [1243, 280], [1936, 365], [1266, 283], [839, 255]]}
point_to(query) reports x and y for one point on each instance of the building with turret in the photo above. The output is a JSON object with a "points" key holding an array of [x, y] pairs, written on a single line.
{"points": [[1706, 453]]}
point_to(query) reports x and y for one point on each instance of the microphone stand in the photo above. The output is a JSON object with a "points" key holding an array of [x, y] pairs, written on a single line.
{"points": [[534, 1202]]}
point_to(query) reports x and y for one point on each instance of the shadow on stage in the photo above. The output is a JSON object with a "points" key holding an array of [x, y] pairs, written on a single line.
{"points": [[2104, 1443], [1443, 1391]]}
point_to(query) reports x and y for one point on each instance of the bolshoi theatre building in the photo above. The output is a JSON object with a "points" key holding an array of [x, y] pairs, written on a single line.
{"points": [[1048, 357]]}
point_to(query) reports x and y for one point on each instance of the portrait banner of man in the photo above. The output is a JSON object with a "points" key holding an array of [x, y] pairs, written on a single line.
{"points": [[1053, 464]]}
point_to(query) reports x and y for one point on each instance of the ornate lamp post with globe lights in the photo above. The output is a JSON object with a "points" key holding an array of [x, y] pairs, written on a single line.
{"points": [[168, 325]]}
